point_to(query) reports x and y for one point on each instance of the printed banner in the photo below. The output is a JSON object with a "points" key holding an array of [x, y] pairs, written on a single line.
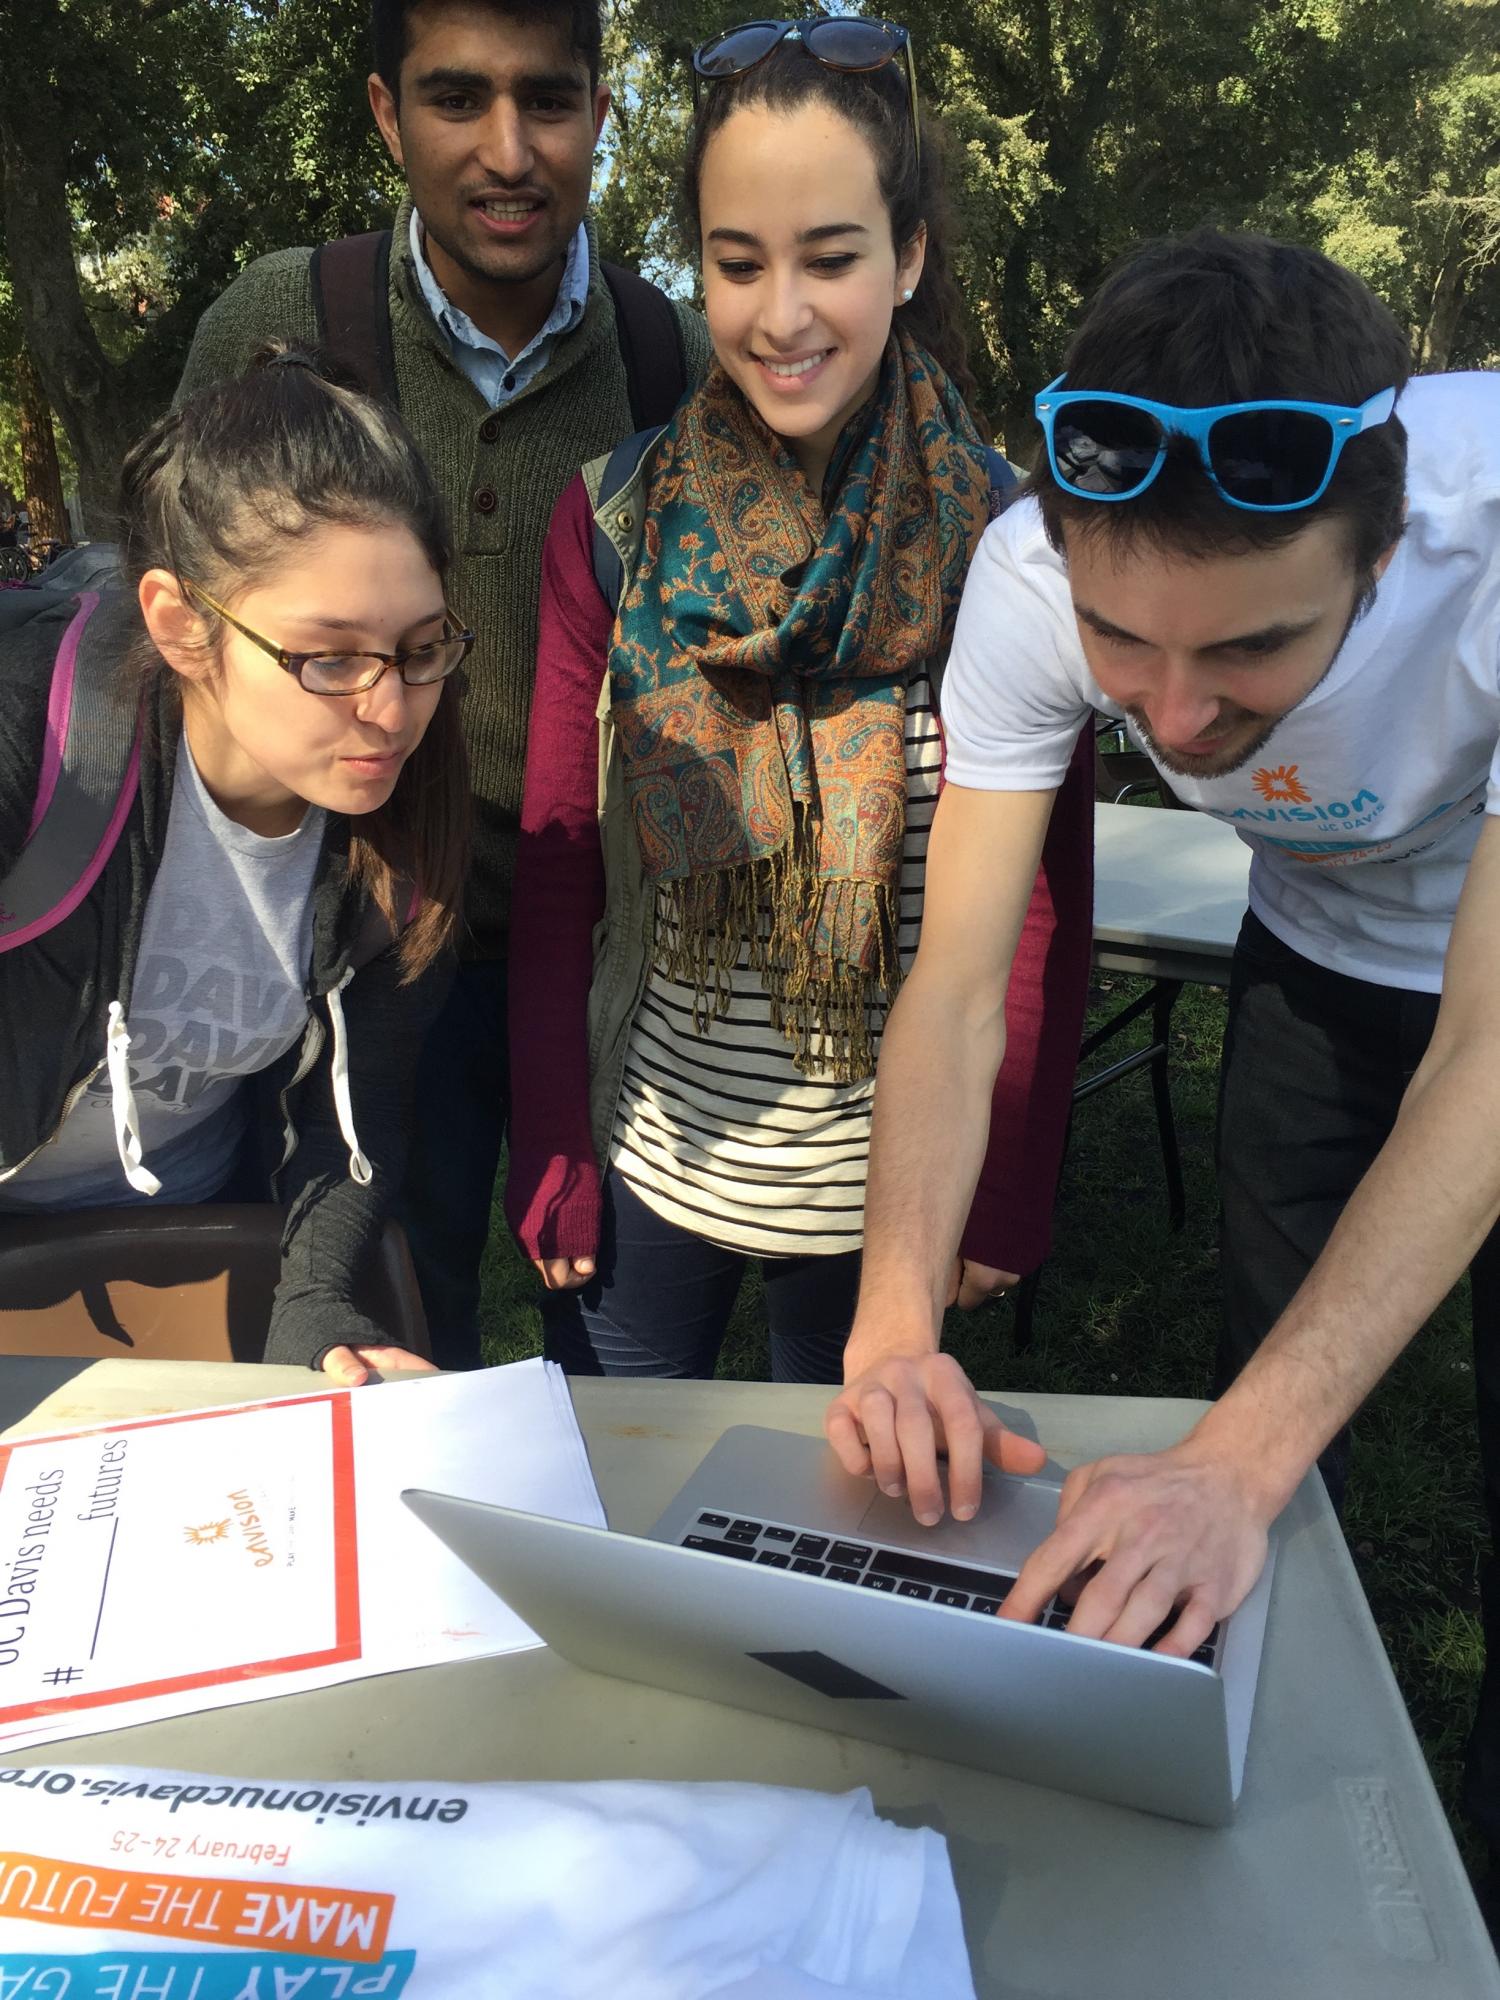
{"points": [[153, 1567], [252, 1555]]}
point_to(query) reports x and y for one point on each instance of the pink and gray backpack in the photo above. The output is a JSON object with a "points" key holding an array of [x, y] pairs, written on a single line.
{"points": [[91, 755]]}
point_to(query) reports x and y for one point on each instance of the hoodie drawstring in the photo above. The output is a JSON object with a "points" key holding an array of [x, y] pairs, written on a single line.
{"points": [[122, 1103], [359, 1167], [127, 1117]]}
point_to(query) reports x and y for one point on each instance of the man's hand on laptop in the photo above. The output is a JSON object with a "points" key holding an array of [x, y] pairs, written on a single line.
{"points": [[1183, 1527], [902, 1404]]}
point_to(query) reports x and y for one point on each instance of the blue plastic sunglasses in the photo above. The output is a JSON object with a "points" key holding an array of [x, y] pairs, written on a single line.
{"points": [[1268, 457]]}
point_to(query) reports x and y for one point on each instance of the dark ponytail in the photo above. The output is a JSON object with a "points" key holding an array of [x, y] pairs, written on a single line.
{"points": [[216, 491], [876, 103]]}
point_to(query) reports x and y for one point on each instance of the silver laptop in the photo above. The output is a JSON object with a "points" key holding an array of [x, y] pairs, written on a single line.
{"points": [[774, 1581]]}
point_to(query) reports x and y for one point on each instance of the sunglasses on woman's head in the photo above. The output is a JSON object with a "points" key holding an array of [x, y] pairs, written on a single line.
{"points": [[841, 42], [1268, 457], [355, 673]]}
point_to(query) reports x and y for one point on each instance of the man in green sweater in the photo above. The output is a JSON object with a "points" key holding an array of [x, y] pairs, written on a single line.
{"points": [[507, 350]]}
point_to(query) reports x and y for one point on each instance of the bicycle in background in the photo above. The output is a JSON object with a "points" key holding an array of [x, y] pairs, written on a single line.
{"points": [[20, 564]]}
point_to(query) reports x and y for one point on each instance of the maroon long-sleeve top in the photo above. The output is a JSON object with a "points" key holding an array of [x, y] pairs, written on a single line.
{"points": [[552, 1198]]}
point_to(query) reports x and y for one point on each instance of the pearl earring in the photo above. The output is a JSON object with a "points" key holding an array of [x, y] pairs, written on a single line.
{"points": [[906, 296]]}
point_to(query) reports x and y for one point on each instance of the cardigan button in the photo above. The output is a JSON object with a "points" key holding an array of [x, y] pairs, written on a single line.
{"points": [[489, 430], [486, 500]]}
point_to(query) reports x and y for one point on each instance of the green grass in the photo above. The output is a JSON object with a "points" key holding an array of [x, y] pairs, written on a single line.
{"points": [[1127, 1307]]}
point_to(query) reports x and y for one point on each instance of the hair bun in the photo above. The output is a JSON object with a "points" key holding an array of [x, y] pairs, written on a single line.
{"points": [[306, 356]]}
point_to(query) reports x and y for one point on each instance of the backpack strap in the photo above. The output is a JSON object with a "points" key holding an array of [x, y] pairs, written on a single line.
{"points": [[352, 305], [91, 764], [619, 469], [376, 934], [650, 337], [1003, 478]]}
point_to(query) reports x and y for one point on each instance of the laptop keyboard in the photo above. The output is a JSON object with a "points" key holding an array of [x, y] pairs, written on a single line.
{"points": [[894, 1572]]}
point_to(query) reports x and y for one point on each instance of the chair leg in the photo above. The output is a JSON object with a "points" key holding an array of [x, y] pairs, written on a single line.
{"points": [[1167, 991], [1026, 1293]]}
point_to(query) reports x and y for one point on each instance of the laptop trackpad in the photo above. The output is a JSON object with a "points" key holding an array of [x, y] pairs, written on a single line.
{"points": [[1014, 1516]]}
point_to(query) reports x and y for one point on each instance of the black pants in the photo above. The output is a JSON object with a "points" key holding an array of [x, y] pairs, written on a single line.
{"points": [[1315, 1066], [458, 1129], [661, 1299]]}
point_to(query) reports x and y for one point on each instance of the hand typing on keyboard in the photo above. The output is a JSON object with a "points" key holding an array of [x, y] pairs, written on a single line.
{"points": [[957, 1586], [1156, 1531]]}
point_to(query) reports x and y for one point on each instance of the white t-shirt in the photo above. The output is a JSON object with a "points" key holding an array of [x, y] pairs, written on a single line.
{"points": [[1362, 809]]}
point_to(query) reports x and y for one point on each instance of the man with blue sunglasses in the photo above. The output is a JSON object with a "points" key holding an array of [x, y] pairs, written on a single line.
{"points": [[1279, 562]]}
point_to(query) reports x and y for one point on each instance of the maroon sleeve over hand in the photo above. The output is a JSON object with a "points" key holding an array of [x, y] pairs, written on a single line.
{"points": [[1010, 1221], [552, 1198]]}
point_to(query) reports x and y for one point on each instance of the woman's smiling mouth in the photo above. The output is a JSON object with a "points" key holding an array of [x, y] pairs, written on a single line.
{"points": [[794, 371]]}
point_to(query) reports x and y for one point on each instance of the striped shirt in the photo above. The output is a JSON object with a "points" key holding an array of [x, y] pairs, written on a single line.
{"points": [[720, 1133]]}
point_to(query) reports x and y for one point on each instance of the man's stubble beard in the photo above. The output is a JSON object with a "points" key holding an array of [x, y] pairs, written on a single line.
{"points": [[482, 275], [1236, 760], [1203, 767]]}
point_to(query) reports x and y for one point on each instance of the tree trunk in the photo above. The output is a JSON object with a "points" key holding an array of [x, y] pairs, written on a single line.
{"points": [[41, 475], [94, 397], [1444, 314]]}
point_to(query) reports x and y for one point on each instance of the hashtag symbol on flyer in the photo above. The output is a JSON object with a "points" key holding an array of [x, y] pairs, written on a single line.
{"points": [[61, 1676]]}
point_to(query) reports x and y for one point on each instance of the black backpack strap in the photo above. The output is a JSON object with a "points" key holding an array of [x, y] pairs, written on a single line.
{"points": [[619, 470], [650, 337], [352, 304], [88, 779], [1003, 476], [376, 933]]}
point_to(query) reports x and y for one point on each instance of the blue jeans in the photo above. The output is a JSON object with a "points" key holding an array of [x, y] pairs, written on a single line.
{"points": [[661, 1299], [459, 1120]]}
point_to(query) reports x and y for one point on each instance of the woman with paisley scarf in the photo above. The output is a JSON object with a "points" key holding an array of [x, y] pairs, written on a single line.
{"points": [[719, 881]]}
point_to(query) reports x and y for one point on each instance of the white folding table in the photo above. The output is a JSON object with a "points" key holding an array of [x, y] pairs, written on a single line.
{"points": [[1339, 1879], [1170, 890]]}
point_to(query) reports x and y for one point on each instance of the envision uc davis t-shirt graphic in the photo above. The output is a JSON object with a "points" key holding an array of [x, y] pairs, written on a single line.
{"points": [[1362, 833], [1335, 832]]}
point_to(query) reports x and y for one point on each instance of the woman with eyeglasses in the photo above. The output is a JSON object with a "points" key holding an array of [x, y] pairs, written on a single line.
{"points": [[735, 754], [234, 1007]]}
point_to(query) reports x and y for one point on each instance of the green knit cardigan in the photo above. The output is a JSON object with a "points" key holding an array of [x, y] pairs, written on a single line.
{"points": [[501, 473]]}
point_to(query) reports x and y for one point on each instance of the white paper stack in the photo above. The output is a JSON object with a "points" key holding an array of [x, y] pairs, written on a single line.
{"points": [[161, 1566]]}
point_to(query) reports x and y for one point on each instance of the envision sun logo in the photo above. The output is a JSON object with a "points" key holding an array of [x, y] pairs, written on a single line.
{"points": [[1282, 783], [211, 1531]]}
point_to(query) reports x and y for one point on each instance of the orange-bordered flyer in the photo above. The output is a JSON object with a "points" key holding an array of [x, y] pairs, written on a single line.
{"points": [[157, 1557]]}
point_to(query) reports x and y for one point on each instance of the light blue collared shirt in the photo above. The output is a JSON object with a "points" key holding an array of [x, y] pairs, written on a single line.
{"points": [[497, 378]]}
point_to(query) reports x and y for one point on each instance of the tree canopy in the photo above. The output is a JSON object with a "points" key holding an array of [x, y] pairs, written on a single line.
{"points": [[1076, 128], [150, 148]]}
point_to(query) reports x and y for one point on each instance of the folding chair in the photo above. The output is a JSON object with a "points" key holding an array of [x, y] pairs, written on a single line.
{"points": [[171, 1284]]}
